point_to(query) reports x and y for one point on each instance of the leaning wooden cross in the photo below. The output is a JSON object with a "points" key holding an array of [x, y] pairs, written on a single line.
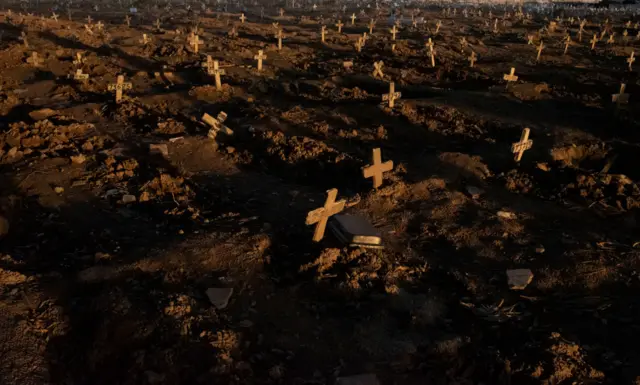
{"points": [[119, 86], [392, 96], [377, 169], [216, 125], [540, 48], [320, 216], [630, 60], [510, 77], [260, 57], [620, 98], [323, 31], [377, 69], [372, 24], [594, 41], [523, 145]]}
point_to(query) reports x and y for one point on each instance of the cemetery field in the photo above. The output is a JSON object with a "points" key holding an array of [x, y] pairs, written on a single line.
{"points": [[172, 178]]}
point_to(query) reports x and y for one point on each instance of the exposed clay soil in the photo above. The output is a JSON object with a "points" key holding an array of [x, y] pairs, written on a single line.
{"points": [[109, 242]]}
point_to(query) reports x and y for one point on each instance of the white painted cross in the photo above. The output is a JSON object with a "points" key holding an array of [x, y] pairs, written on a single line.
{"points": [[523, 145], [377, 169], [377, 71], [392, 96], [320, 216], [260, 57], [119, 86], [216, 125]]}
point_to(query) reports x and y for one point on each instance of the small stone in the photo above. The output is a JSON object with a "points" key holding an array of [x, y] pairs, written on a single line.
{"points": [[159, 149], [59, 190], [360, 379], [219, 296], [506, 214], [231, 150], [519, 278], [4, 226], [128, 199], [474, 192], [42, 114], [78, 159]]}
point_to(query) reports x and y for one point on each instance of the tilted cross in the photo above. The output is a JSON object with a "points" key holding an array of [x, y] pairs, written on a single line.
{"points": [[320, 216], [216, 125], [377, 169], [377, 71], [540, 47], [88, 29], [463, 42], [339, 25], [55, 17], [511, 77], [611, 39], [34, 60], [530, 40], [432, 53], [567, 42], [472, 59], [620, 98], [359, 44], [119, 86], [594, 41], [630, 60], [392, 96], [195, 42], [393, 32], [523, 145], [438, 25], [260, 57]]}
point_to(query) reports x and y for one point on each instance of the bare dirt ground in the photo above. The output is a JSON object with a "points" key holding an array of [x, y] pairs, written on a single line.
{"points": [[97, 287]]}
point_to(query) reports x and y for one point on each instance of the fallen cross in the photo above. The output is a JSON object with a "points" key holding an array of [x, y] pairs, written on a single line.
{"points": [[260, 57], [34, 60], [320, 216], [216, 125], [377, 169], [78, 75], [377, 71], [392, 96], [119, 86], [523, 145]]}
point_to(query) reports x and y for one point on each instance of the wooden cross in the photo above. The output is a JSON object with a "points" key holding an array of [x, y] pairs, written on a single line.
{"points": [[276, 26], [523, 145], [530, 40], [321, 215], [279, 36], [195, 42], [145, 39], [377, 72], [353, 19], [34, 60], [511, 77], [119, 86], [100, 26], [23, 37], [216, 72], [495, 26], [611, 39], [323, 31], [567, 42], [89, 20], [628, 25], [260, 57], [438, 25], [158, 24], [55, 17], [594, 41], [87, 28], [631, 59], [372, 24], [360, 44], [638, 36], [216, 125], [79, 59], [281, 12], [620, 98], [463, 42], [339, 25], [233, 32], [429, 43], [432, 53], [625, 36], [473, 58], [242, 18], [540, 47], [127, 20], [377, 169], [392, 96], [393, 32], [79, 76]]}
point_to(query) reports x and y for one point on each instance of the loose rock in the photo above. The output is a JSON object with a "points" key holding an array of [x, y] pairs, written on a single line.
{"points": [[219, 296], [519, 278]]}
